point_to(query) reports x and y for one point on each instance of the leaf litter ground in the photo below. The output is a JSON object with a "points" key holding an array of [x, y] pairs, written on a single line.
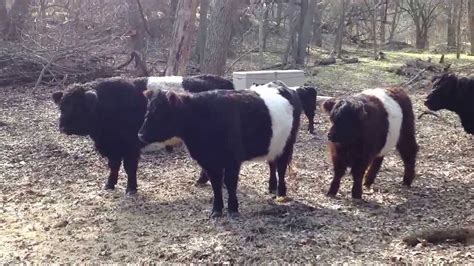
{"points": [[53, 208]]}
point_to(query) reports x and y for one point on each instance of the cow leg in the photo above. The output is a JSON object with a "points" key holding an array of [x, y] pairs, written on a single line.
{"points": [[282, 164], [408, 149], [373, 170], [203, 178], [358, 171], [114, 167], [339, 169], [130, 164], [310, 122], [215, 176], [272, 183], [231, 178]]}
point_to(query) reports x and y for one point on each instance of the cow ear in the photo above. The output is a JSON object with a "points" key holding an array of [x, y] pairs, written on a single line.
{"points": [[91, 99], [57, 96], [328, 105], [148, 94], [362, 113], [173, 99]]}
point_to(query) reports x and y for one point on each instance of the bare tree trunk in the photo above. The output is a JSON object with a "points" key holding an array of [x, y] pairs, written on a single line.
{"points": [[317, 25], [340, 28], [3, 17], [423, 15], [307, 15], [173, 6], [458, 31], [421, 38], [266, 28], [219, 36], [137, 32], [293, 20], [471, 25], [383, 20], [279, 12], [17, 18], [451, 23], [394, 23], [138, 41], [183, 32], [261, 31], [373, 17], [202, 31]]}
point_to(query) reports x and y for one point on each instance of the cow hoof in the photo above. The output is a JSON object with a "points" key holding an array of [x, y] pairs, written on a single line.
{"points": [[109, 187], [283, 199], [215, 214], [234, 215], [272, 191], [404, 184], [331, 195], [358, 201], [200, 184], [131, 192]]}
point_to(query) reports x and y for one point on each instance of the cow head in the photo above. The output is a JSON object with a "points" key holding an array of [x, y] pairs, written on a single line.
{"points": [[161, 119], [347, 119], [77, 108], [443, 89]]}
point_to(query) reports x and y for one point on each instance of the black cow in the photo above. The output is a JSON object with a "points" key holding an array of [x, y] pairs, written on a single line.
{"points": [[111, 112], [454, 94], [221, 129], [308, 96]]}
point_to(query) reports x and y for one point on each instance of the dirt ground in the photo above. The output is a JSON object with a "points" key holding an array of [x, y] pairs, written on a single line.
{"points": [[53, 208]]}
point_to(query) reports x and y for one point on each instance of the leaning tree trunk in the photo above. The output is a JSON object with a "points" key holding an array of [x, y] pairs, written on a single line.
{"points": [[183, 32], [202, 30], [471, 25], [219, 36], [16, 19]]}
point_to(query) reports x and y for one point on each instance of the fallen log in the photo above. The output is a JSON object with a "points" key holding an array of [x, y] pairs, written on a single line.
{"points": [[350, 60], [436, 236], [326, 61]]}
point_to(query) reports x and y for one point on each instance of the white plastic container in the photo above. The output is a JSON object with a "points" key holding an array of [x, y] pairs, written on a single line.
{"points": [[245, 79]]}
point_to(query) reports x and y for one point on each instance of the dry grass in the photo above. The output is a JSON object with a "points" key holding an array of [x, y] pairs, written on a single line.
{"points": [[53, 208]]}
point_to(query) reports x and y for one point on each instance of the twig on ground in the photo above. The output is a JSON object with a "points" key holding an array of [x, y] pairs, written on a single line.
{"points": [[429, 112], [414, 79]]}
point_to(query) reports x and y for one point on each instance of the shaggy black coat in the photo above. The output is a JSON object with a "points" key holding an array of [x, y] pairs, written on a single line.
{"points": [[454, 94], [359, 129], [111, 112], [308, 96], [221, 129]]}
